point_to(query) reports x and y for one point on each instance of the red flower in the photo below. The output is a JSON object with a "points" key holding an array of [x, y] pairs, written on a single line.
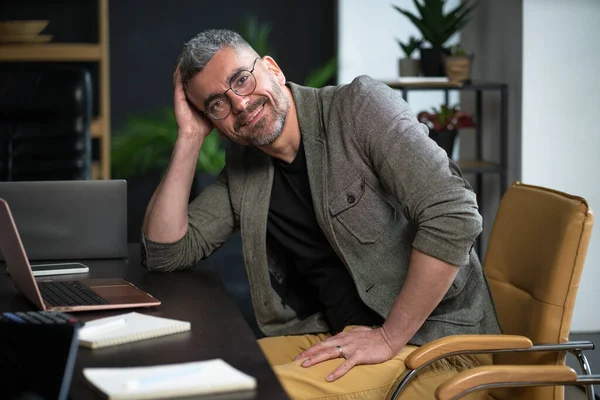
{"points": [[446, 119]]}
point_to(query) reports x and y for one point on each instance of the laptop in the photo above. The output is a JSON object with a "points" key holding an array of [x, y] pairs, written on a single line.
{"points": [[61, 295], [77, 219]]}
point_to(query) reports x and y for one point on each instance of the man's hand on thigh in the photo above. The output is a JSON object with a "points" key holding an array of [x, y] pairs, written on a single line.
{"points": [[361, 345]]}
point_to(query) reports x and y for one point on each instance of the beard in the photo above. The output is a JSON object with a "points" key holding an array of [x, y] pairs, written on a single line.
{"points": [[264, 132]]}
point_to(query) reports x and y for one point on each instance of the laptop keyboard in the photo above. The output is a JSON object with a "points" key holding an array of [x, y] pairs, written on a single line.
{"points": [[69, 293]]}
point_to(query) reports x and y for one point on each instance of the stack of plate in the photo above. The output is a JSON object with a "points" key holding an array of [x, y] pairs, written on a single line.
{"points": [[26, 31]]}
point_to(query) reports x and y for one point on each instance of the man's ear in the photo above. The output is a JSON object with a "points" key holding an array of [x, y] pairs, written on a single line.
{"points": [[273, 68]]}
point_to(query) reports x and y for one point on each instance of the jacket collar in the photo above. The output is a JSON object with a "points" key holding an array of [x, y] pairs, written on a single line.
{"points": [[309, 112]]}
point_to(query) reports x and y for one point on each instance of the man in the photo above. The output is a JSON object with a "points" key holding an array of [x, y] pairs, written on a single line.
{"points": [[357, 229]]}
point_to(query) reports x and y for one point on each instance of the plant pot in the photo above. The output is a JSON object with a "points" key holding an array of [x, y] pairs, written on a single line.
{"points": [[444, 139], [408, 67], [432, 63], [458, 68]]}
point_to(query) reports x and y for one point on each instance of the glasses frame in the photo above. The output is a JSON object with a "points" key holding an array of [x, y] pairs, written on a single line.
{"points": [[251, 71]]}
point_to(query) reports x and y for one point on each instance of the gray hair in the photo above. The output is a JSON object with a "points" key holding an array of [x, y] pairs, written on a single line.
{"points": [[199, 50]]}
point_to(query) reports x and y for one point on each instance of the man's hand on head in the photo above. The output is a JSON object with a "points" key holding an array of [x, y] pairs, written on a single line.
{"points": [[361, 345], [191, 124]]}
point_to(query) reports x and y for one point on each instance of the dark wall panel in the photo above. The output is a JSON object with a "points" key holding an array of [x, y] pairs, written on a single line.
{"points": [[148, 35]]}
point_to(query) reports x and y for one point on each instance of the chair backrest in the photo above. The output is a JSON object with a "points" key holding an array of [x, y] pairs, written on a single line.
{"points": [[45, 122], [533, 265]]}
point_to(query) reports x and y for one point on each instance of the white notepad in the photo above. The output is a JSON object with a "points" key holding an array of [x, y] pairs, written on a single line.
{"points": [[127, 328], [166, 381]]}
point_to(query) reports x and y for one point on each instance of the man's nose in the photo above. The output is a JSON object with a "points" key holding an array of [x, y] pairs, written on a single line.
{"points": [[238, 103]]}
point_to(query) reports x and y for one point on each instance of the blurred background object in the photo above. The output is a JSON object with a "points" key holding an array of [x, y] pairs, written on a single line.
{"points": [[45, 115]]}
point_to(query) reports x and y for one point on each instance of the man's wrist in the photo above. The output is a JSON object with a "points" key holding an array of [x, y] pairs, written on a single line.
{"points": [[394, 340], [185, 155], [189, 140]]}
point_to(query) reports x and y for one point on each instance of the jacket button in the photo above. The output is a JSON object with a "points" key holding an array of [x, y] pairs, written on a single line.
{"points": [[351, 199]]}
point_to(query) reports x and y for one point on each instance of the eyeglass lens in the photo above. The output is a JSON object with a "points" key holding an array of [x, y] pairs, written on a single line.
{"points": [[242, 84]]}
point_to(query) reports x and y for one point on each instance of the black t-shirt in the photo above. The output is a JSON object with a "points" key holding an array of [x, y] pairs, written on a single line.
{"points": [[292, 224]]}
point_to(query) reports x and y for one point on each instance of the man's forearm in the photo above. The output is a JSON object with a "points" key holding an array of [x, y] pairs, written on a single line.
{"points": [[166, 216], [427, 282]]}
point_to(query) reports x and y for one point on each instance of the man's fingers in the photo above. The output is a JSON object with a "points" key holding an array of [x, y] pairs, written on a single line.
{"points": [[175, 76], [317, 348], [324, 355], [342, 369], [178, 84], [329, 341], [310, 352]]}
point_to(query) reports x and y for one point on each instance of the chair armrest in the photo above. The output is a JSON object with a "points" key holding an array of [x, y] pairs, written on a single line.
{"points": [[465, 343], [503, 375]]}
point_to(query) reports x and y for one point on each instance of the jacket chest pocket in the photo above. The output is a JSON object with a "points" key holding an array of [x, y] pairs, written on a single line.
{"points": [[363, 211]]}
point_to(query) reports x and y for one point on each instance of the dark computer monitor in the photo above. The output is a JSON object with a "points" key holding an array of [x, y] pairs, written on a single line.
{"points": [[37, 360]]}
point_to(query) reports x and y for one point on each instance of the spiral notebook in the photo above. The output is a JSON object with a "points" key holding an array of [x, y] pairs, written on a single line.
{"points": [[126, 328]]}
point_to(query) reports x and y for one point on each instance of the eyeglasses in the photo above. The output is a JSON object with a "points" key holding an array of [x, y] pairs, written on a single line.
{"points": [[242, 84]]}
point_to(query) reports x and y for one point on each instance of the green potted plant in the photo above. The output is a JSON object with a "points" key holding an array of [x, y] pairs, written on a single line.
{"points": [[458, 64], [409, 66], [444, 124], [141, 151], [256, 34], [437, 27], [144, 144]]}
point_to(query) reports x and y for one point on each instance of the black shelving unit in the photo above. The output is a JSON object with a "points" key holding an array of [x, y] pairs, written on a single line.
{"points": [[479, 166]]}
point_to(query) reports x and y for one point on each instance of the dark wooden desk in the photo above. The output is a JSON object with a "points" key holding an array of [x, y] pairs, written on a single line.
{"points": [[196, 295]]}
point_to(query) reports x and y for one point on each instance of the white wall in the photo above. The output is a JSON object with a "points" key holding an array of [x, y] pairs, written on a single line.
{"points": [[560, 126], [367, 32]]}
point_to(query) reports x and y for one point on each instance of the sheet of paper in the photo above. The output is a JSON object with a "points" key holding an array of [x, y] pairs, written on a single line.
{"points": [[201, 377]]}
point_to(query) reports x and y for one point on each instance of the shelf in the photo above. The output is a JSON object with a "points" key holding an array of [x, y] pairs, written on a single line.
{"points": [[96, 170], [79, 52], [96, 128], [423, 84], [426, 85], [51, 52], [479, 167]]}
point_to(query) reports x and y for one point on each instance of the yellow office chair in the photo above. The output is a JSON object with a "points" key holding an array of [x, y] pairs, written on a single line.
{"points": [[533, 265]]}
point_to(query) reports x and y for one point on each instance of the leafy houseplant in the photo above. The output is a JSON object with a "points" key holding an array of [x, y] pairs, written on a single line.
{"points": [[409, 66], [145, 142], [256, 34], [437, 27], [444, 124]]}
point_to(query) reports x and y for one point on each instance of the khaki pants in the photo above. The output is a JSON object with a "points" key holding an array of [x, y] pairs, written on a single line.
{"points": [[362, 382]]}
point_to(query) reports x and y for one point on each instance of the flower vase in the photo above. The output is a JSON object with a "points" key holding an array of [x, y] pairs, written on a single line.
{"points": [[445, 139]]}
